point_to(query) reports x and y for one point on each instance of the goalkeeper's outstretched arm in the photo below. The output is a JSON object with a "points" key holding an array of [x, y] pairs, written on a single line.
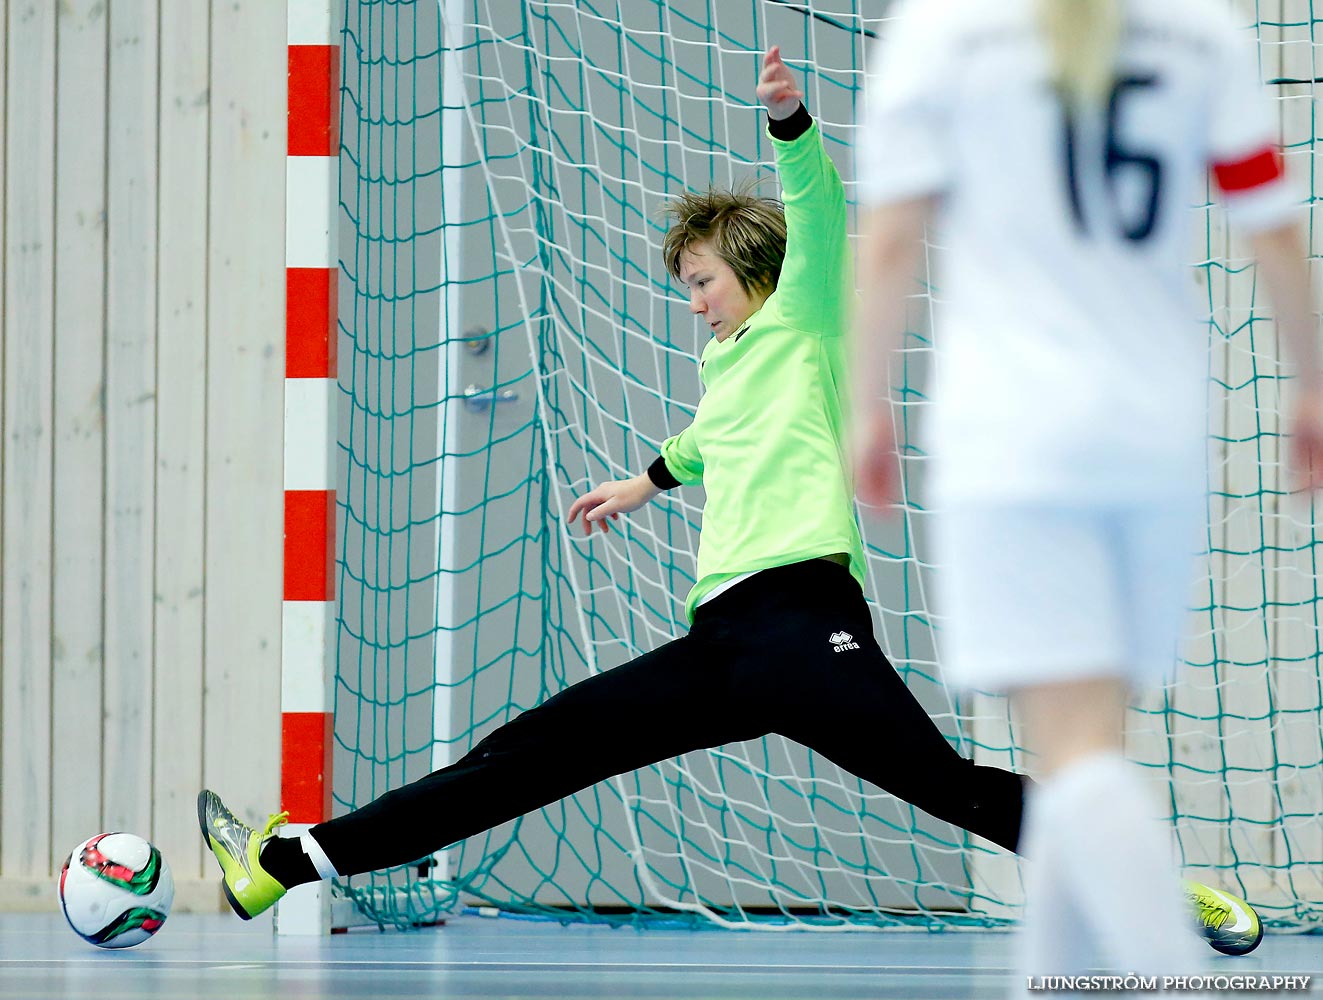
{"points": [[605, 502]]}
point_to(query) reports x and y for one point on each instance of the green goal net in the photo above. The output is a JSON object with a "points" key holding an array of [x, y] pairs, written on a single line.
{"points": [[509, 337]]}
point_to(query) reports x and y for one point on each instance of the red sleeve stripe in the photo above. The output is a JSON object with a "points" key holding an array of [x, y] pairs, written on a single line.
{"points": [[1263, 167]]}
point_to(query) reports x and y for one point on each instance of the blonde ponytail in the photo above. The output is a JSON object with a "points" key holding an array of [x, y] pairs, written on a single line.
{"points": [[1082, 38]]}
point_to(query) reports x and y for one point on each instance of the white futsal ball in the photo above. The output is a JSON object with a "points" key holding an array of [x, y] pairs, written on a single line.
{"points": [[116, 890]]}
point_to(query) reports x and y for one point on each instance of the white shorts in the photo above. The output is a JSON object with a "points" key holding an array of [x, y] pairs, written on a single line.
{"points": [[1036, 594]]}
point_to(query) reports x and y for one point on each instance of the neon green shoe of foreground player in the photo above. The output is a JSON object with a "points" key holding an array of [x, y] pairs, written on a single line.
{"points": [[1227, 922], [248, 887]]}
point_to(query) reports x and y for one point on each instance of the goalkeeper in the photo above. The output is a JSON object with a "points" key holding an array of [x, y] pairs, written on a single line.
{"points": [[781, 638]]}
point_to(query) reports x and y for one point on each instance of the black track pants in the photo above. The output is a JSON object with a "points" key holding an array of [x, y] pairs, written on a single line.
{"points": [[760, 659]]}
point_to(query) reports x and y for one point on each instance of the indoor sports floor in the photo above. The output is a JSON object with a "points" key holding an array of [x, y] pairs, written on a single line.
{"points": [[206, 957]]}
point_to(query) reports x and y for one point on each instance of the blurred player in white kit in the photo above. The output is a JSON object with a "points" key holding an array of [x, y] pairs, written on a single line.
{"points": [[1057, 146]]}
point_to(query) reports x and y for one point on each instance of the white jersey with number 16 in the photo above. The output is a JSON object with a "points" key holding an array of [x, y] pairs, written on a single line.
{"points": [[1071, 366]]}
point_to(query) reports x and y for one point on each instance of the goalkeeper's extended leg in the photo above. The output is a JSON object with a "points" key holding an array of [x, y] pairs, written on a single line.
{"points": [[1228, 923], [845, 701], [248, 886], [665, 703], [851, 706]]}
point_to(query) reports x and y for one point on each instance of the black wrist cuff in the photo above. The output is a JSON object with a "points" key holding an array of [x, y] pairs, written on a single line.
{"points": [[661, 476], [789, 129]]}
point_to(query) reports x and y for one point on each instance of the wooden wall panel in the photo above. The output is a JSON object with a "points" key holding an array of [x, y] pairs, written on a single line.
{"points": [[25, 704], [245, 394], [4, 424], [181, 429], [130, 414], [141, 360], [79, 464]]}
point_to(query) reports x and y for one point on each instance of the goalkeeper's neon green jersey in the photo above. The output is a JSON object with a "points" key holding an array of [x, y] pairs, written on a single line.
{"points": [[767, 439]]}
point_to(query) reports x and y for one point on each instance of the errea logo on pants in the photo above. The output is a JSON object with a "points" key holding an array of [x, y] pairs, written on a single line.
{"points": [[842, 641]]}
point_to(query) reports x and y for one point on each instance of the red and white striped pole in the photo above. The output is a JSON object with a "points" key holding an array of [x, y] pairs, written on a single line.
{"points": [[307, 632]]}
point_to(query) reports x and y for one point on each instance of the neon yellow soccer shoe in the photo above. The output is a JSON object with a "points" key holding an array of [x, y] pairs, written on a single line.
{"points": [[1227, 922], [248, 887]]}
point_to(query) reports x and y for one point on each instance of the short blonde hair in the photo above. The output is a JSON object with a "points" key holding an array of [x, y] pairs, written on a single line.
{"points": [[1082, 39], [746, 231]]}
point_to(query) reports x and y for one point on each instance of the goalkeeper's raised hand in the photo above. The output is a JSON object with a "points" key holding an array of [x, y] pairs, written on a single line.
{"points": [[776, 86]]}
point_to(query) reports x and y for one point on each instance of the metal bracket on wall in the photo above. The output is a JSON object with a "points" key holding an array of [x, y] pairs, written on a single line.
{"points": [[477, 340], [478, 398]]}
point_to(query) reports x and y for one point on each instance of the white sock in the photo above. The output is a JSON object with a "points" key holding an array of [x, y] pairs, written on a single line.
{"points": [[1108, 856], [1052, 940], [317, 856]]}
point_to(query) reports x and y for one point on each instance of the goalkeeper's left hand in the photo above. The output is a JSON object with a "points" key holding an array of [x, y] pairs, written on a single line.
{"points": [[776, 86]]}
